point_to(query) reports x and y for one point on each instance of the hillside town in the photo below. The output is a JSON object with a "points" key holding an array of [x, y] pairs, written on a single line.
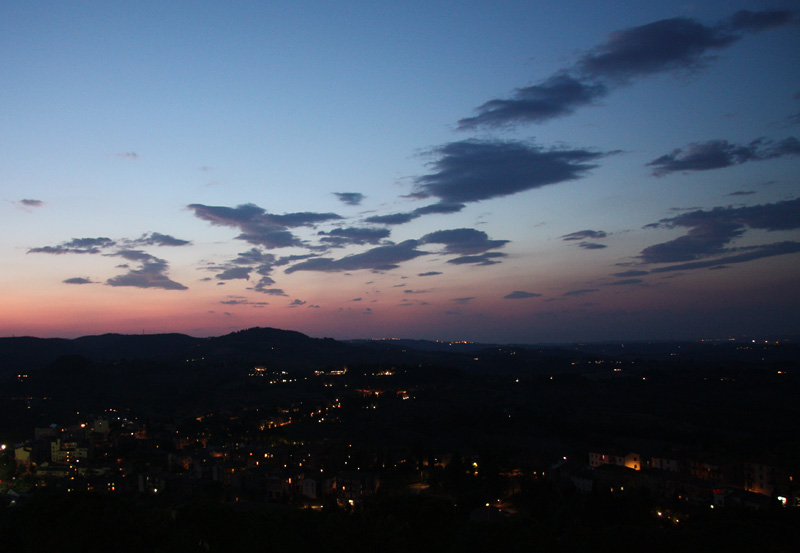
{"points": [[510, 446]]}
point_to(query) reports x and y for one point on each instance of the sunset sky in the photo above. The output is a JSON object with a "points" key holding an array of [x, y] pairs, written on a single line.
{"points": [[509, 171]]}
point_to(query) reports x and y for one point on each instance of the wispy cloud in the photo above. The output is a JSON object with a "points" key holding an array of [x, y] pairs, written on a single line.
{"points": [[488, 258], [382, 258], [580, 292], [742, 255], [235, 273], [591, 246], [440, 208], [77, 245], [243, 301], [158, 239], [711, 231], [717, 154], [556, 96], [340, 237], [585, 234], [667, 45], [631, 273], [261, 287], [625, 282]]}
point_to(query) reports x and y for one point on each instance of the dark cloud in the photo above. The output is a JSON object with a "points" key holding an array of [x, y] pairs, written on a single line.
{"points": [[632, 273], [463, 241], [244, 302], [135, 255], [32, 203], [382, 258], [254, 256], [703, 239], [475, 170], [489, 258], [743, 255], [441, 208], [392, 219], [129, 155], [758, 21], [716, 154], [350, 198], [248, 218], [302, 219], [591, 246], [158, 239], [742, 193], [429, 273], [262, 288], [585, 234], [245, 263], [416, 291], [287, 259], [79, 280], [625, 282], [580, 292], [711, 231], [259, 227], [340, 237], [297, 303], [520, 295], [678, 44], [151, 273], [463, 300], [235, 273], [554, 97], [77, 245], [665, 45]]}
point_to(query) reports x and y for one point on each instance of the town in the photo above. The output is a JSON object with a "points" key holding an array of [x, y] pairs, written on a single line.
{"points": [[550, 446]]}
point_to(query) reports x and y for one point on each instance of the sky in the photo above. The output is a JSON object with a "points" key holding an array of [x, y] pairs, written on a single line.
{"points": [[508, 172]]}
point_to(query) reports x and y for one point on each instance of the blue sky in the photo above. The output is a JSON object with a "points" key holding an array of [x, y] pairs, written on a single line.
{"points": [[514, 172]]}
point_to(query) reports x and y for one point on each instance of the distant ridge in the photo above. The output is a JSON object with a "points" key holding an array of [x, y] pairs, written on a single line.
{"points": [[292, 349], [29, 353]]}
